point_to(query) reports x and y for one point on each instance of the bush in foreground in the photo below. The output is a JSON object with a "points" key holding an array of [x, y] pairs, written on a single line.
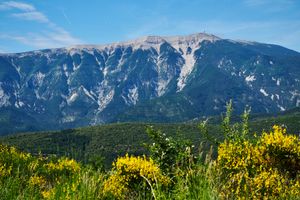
{"points": [[131, 173], [23, 176], [268, 167]]}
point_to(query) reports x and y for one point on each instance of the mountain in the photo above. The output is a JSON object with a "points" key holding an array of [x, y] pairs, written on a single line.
{"points": [[154, 79]]}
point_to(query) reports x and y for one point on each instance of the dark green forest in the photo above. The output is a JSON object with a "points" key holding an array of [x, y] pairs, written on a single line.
{"points": [[109, 141]]}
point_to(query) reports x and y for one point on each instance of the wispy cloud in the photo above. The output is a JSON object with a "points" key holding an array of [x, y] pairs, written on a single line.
{"points": [[16, 5], [31, 16], [57, 38], [24, 11], [50, 36]]}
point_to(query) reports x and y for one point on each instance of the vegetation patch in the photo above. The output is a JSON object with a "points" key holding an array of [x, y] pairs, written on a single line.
{"points": [[247, 166]]}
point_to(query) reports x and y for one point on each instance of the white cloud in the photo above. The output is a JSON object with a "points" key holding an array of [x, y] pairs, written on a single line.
{"points": [[28, 11], [31, 16], [53, 39], [50, 36], [16, 5]]}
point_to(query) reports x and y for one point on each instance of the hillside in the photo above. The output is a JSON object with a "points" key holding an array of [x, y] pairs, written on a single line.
{"points": [[112, 140], [151, 79]]}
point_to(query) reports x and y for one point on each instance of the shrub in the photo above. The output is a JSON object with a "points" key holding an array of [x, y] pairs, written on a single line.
{"points": [[170, 154], [23, 176], [60, 168], [267, 168], [132, 172], [13, 162]]}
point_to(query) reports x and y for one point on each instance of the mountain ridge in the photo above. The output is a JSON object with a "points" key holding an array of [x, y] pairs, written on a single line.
{"points": [[145, 39], [153, 78]]}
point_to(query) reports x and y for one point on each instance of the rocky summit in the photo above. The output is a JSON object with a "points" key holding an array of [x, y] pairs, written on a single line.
{"points": [[153, 78]]}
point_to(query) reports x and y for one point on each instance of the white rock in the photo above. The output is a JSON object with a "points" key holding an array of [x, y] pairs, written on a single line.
{"points": [[250, 78], [72, 98], [4, 98], [133, 95], [263, 92]]}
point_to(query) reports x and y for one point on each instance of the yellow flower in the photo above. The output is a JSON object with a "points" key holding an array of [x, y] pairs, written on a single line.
{"points": [[46, 194], [64, 164], [37, 181], [131, 170], [265, 169]]}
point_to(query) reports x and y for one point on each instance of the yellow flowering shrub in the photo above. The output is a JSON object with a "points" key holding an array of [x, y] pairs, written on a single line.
{"points": [[46, 194], [5, 171], [268, 168], [282, 151], [43, 176], [129, 172], [64, 167], [63, 164], [42, 185], [11, 161], [11, 155], [37, 181]]}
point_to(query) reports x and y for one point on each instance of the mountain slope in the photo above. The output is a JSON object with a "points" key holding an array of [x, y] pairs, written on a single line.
{"points": [[158, 79]]}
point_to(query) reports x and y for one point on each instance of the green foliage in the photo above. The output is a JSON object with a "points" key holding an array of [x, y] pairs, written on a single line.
{"points": [[245, 123], [236, 131], [203, 128], [96, 162], [169, 153], [229, 131], [190, 174], [197, 183]]}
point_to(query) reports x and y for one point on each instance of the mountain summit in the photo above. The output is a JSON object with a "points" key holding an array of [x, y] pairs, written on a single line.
{"points": [[154, 40], [153, 78]]}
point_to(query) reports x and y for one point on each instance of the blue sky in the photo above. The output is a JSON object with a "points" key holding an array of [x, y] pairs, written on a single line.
{"points": [[36, 24]]}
